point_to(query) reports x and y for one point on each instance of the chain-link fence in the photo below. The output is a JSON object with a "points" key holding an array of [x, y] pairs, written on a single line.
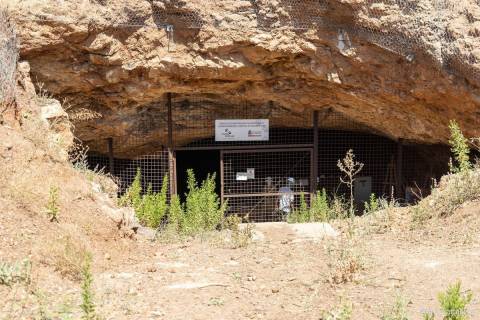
{"points": [[8, 58], [253, 178]]}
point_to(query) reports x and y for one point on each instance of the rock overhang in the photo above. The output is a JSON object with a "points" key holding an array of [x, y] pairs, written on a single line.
{"points": [[113, 76]]}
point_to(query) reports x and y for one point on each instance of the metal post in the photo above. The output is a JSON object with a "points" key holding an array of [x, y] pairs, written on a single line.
{"points": [[111, 160], [172, 173], [222, 178], [314, 178], [399, 169], [170, 121], [171, 153]]}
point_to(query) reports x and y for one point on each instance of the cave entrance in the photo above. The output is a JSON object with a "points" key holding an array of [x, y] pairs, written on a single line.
{"points": [[267, 178], [202, 162]]}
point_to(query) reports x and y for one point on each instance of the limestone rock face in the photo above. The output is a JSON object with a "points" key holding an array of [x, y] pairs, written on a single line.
{"points": [[56, 118], [401, 68]]}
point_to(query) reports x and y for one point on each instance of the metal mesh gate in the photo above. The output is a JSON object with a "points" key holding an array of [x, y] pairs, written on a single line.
{"points": [[267, 184]]}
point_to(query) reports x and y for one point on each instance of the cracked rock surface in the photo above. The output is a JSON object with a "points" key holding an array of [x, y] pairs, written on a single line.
{"points": [[392, 70]]}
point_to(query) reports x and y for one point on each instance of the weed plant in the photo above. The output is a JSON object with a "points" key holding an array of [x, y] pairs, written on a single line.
{"points": [[15, 273], [350, 168], [460, 149], [52, 207], [203, 211], [87, 306]]}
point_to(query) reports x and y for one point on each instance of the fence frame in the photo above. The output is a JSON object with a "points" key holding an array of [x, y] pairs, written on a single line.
{"points": [[317, 126]]}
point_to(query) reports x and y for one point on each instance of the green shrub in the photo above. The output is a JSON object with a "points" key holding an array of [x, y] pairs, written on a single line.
{"points": [[462, 185], [342, 312], [388, 203], [176, 214], [52, 207], [153, 206], [320, 209], [398, 310], [87, 306], [203, 211], [372, 205], [302, 214], [150, 208], [133, 195], [460, 149], [454, 303], [420, 215], [429, 316]]}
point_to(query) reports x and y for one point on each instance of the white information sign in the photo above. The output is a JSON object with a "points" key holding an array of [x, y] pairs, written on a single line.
{"points": [[242, 176], [242, 130]]}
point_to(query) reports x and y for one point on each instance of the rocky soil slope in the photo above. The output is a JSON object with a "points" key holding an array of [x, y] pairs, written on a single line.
{"points": [[402, 68], [41, 254]]}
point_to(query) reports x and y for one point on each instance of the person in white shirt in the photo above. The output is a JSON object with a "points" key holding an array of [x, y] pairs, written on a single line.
{"points": [[286, 197]]}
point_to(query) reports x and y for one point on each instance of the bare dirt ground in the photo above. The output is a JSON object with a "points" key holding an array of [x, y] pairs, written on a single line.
{"points": [[282, 276]]}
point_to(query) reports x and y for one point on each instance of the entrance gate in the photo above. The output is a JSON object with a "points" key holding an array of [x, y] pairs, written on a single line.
{"points": [[265, 184], [264, 180]]}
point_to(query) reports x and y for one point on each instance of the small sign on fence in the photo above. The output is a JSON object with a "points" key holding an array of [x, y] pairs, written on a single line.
{"points": [[242, 130], [251, 173], [242, 176]]}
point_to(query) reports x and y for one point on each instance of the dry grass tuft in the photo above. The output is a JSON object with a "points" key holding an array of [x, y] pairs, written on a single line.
{"points": [[101, 181], [346, 260], [38, 132], [241, 235], [83, 114], [453, 191], [66, 254]]}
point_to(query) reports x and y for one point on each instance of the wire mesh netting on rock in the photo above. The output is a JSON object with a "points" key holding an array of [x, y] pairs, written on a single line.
{"points": [[8, 58], [408, 28], [423, 27]]}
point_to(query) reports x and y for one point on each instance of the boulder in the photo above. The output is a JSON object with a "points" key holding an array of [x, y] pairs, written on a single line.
{"points": [[314, 231]]}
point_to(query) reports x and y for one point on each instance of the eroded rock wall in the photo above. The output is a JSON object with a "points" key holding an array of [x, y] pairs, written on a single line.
{"points": [[401, 70]]}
